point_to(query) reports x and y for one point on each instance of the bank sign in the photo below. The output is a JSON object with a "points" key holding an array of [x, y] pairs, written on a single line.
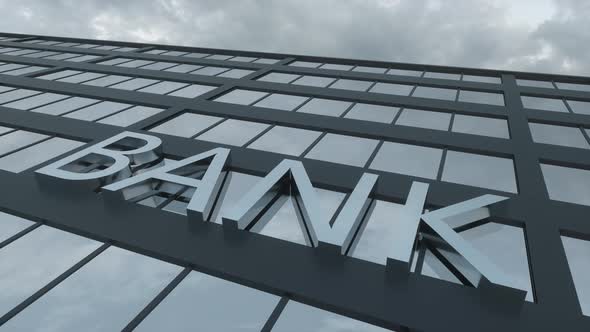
{"points": [[127, 156]]}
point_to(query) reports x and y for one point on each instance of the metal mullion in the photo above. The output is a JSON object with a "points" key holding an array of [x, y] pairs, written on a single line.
{"points": [[20, 234], [275, 314], [26, 146], [117, 112], [312, 145]]}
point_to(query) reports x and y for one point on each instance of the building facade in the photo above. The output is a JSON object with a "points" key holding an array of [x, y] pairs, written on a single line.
{"points": [[162, 188]]}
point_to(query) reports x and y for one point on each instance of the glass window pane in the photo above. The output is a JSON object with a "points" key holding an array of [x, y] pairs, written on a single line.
{"points": [[482, 79], [558, 135], [580, 107], [80, 77], [317, 81], [10, 66], [373, 241], [336, 66], [18, 139], [305, 64], [184, 68], [279, 78], [241, 97], [63, 56], [163, 87], [547, 104], [37, 154], [116, 284], [374, 70], [355, 85], [392, 89], [404, 72], [23, 71], [266, 61], [446, 76], [233, 132], [192, 91], [481, 97], [480, 171], [477, 125], [308, 318], [435, 93], [285, 140], [159, 65], [4, 130], [236, 73], [341, 149], [210, 71], [577, 252], [371, 112], [32, 261], [196, 55], [64, 106], [97, 111], [218, 57], [326, 107], [113, 62], [134, 84], [212, 304], [424, 119], [84, 58], [573, 86], [174, 53], [10, 225], [186, 124], [131, 116], [59, 74], [108, 80], [243, 59], [567, 184], [535, 83], [35, 101], [135, 63], [408, 159], [5, 88], [281, 101], [16, 94]]}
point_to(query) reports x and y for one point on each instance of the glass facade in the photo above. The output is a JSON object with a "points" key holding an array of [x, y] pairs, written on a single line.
{"points": [[276, 192]]}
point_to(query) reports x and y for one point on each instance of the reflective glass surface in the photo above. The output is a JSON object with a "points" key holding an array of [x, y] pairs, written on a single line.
{"points": [[192, 91], [326, 107], [424, 119], [116, 284], [392, 89], [186, 124], [281, 101], [212, 304], [236, 73], [279, 77], [567, 184], [233, 132], [535, 83], [107, 80], [558, 135], [317, 81], [301, 317], [374, 70], [348, 150], [134, 84], [482, 79], [435, 93], [131, 116], [241, 97], [163, 87], [336, 66], [285, 140], [481, 97], [580, 107], [305, 64], [35, 101], [32, 261], [404, 72], [355, 85], [480, 171], [480, 126], [237, 185], [573, 86], [65, 106], [577, 252], [82, 77], [371, 112], [446, 76], [408, 159], [37, 154], [184, 68], [97, 111], [547, 104], [18, 139], [11, 225]]}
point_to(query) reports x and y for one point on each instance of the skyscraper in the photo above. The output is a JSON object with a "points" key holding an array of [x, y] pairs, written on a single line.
{"points": [[163, 188]]}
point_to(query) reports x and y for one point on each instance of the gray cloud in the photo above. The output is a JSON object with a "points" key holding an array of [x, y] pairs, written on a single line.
{"points": [[534, 36]]}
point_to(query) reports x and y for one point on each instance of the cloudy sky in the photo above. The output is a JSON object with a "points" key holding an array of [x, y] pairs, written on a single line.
{"points": [[528, 35]]}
